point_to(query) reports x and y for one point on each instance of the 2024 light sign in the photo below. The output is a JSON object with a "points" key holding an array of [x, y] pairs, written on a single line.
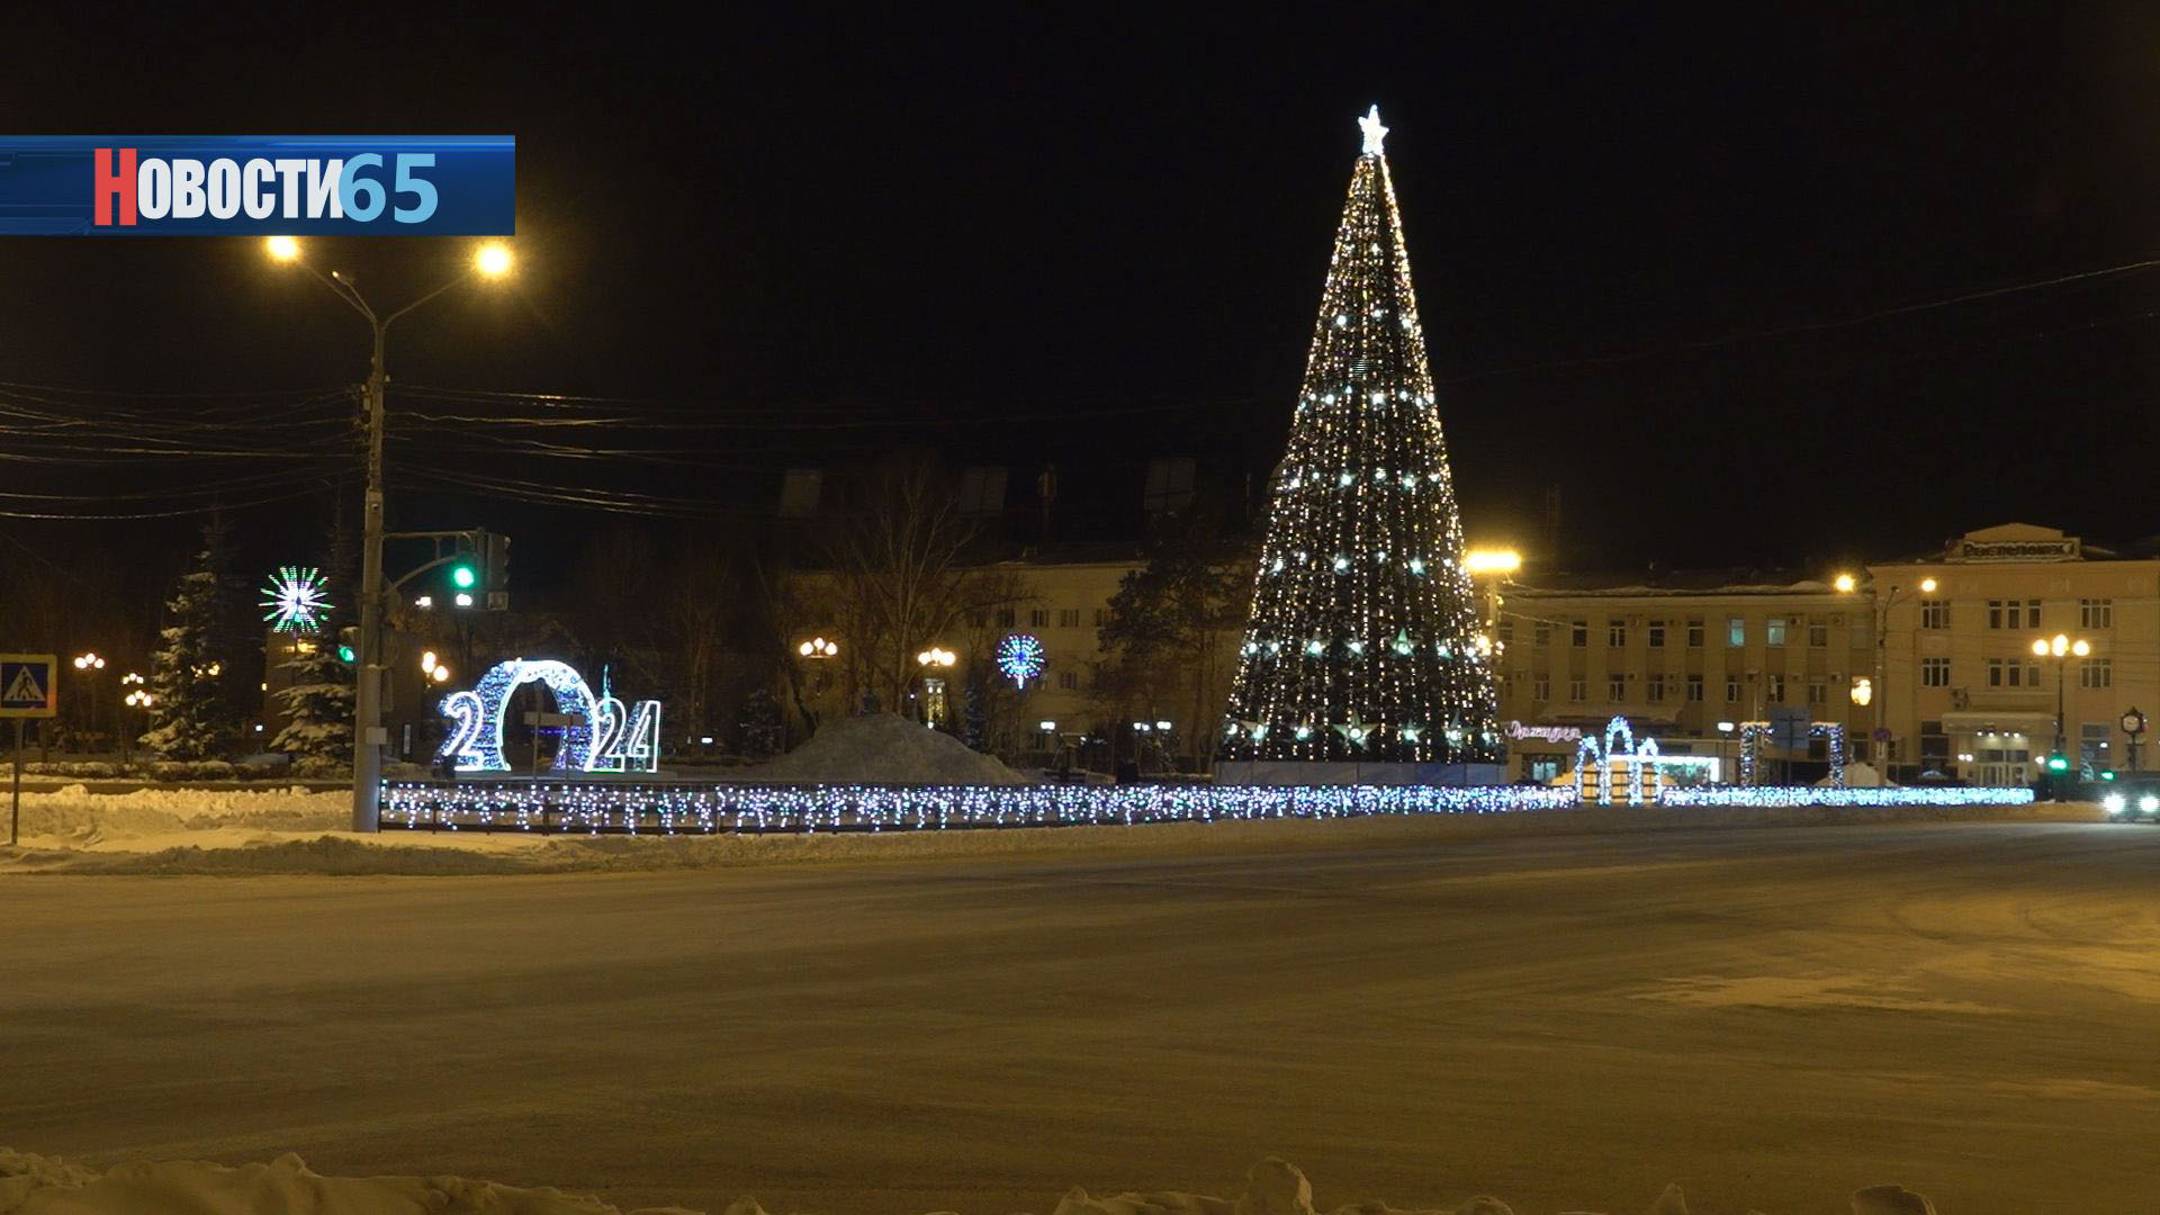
{"points": [[611, 737]]}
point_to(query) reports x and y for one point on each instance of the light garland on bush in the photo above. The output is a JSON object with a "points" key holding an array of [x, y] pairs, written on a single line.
{"points": [[1357, 647], [618, 807], [1809, 795], [708, 808]]}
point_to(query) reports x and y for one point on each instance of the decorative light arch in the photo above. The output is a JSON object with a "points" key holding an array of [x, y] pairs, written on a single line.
{"points": [[1594, 755], [1752, 734], [476, 737]]}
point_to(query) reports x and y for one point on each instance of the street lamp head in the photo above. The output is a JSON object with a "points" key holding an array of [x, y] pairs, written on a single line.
{"points": [[282, 249], [1845, 584], [493, 259], [1479, 561], [1927, 586], [2081, 647], [2040, 647]]}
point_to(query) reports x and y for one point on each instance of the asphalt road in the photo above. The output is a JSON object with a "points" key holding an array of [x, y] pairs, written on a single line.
{"points": [[1770, 1017]]}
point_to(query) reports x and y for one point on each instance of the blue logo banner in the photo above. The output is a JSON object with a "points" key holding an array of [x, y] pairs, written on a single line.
{"points": [[258, 185]]}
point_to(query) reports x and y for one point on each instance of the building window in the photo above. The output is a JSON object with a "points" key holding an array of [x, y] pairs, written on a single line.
{"points": [[1541, 633], [1657, 634], [1005, 617], [1817, 692], [1654, 689], [1506, 629], [1934, 613], [1616, 689], [1777, 689], [1694, 689], [1578, 689], [1616, 633], [2096, 613], [2013, 614], [2096, 673], [1038, 618], [1774, 632], [1694, 632], [1934, 673], [1579, 633], [1068, 618], [1735, 632], [1732, 689], [1818, 634], [1541, 686], [2013, 673], [1069, 680]]}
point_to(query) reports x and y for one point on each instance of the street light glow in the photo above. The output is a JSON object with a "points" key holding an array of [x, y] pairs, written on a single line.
{"points": [[1491, 561], [282, 249], [493, 259], [1845, 584], [1927, 586]]}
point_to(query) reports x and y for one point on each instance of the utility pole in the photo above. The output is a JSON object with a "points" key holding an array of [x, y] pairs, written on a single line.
{"points": [[490, 261], [367, 701]]}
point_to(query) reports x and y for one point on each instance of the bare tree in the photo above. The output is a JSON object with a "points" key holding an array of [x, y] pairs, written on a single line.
{"points": [[901, 579]]}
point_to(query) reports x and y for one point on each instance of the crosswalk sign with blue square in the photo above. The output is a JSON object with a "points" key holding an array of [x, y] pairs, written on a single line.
{"points": [[28, 685]]}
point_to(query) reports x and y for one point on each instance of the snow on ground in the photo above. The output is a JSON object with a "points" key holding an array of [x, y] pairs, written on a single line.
{"points": [[882, 749], [33, 1185], [1433, 1009]]}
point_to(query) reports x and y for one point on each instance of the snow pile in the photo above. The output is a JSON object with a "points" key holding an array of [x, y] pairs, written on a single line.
{"points": [[883, 749], [76, 814], [36, 1185]]}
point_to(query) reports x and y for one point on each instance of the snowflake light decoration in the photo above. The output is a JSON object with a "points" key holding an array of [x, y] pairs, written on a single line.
{"points": [[1020, 658], [297, 601]]}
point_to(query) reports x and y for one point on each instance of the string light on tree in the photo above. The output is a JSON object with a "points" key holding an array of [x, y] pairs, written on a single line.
{"points": [[1371, 651], [298, 600]]}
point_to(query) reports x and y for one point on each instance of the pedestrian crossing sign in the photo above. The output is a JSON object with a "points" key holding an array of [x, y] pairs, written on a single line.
{"points": [[27, 685]]}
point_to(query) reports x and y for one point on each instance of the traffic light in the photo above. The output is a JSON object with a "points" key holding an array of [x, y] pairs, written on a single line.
{"points": [[348, 645], [495, 560], [2058, 762]]}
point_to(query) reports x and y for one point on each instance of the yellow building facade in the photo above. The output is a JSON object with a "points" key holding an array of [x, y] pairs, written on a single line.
{"points": [[1967, 695], [1685, 659]]}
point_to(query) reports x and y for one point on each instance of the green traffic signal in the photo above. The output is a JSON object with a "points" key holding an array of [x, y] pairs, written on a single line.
{"points": [[463, 577], [2057, 763], [345, 654]]}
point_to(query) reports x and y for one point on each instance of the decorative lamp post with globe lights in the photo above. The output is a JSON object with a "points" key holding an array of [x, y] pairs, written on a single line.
{"points": [[2062, 648], [492, 260]]}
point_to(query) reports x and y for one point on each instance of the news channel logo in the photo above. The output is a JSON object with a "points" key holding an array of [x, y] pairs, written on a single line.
{"points": [[258, 185]]}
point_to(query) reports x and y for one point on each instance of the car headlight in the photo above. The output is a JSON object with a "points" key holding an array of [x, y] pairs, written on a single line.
{"points": [[2149, 803], [2114, 803]]}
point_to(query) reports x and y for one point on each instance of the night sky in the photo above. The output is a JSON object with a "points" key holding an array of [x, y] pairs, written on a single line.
{"points": [[1667, 265]]}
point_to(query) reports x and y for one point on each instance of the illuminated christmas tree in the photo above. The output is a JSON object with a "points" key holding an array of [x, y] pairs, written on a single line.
{"points": [[1365, 642]]}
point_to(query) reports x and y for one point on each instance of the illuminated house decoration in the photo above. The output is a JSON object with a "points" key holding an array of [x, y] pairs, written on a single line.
{"points": [[1753, 734], [298, 601], [1020, 658], [1362, 649], [610, 737]]}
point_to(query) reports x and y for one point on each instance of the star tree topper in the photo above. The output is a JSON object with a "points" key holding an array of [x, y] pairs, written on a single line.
{"points": [[1374, 132]]}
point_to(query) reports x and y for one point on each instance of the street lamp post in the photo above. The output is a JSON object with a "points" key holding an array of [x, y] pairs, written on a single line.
{"points": [[1879, 606], [2061, 648], [137, 697], [90, 664], [492, 260]]}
